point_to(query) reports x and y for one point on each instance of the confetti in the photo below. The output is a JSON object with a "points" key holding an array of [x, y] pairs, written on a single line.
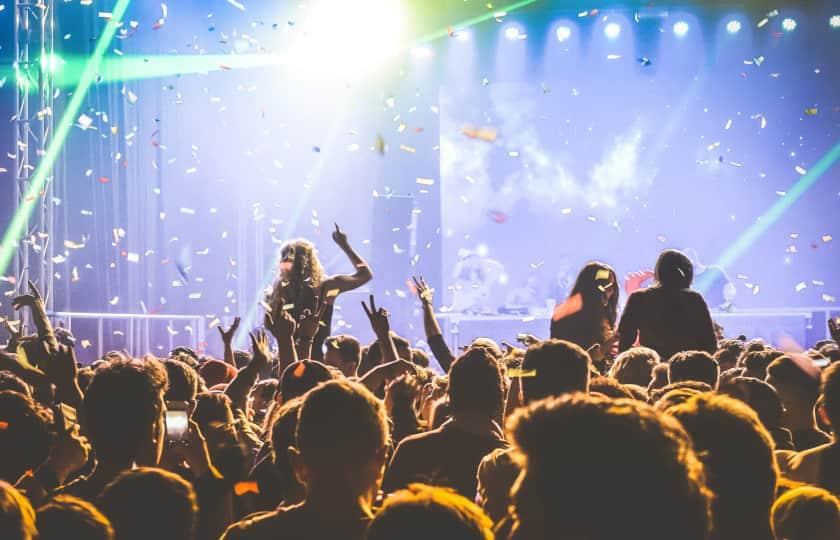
{"points": [[801, 286], [114, 301], [811, 111], [800, 170], [425, 181], [826, 238], [497, 216], [84, 121], [409, 149], [828, 298], [644, 61], [237, 5]]}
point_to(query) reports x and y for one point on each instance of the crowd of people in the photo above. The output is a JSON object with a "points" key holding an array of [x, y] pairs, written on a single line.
{"points": [[648, 424]]}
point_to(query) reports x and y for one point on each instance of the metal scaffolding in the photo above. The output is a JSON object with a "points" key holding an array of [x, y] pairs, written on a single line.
{"points": [[33, 125]]}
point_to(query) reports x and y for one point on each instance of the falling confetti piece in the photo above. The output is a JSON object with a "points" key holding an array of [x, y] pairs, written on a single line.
{"points": [[801, 286], [728, 124], [801, 170], [645, 62], [425, 181], [85, 343], [114, 301], [613, 56], [826, 238], [237, 5], [409, 149], [828, 298], [811, 111], [497, 216], [316, 149]]}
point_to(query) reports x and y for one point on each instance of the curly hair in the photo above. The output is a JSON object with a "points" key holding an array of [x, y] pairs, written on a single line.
{"points": [[306, 273]]}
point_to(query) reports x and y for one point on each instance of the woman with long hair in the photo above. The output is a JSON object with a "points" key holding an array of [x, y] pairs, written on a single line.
{"points": [[587, 317], [302, 288], [668, 316]]}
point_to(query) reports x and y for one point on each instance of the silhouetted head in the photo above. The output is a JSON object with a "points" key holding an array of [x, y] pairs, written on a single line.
{"points": [[341, 440], [65, 516], [25, 437], [693, 366], [300, 377], [183, 381], [582, 454], [475, 384], [299, 262], [760, 396], [554, 367], [17, 518], [422, 512], [741, 469], [634, 366], [598, 287], [830, 391], [806, 513], [146, 503], [344, 353], [674, 270]]}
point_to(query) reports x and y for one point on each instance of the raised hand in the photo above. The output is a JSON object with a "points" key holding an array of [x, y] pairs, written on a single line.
{"points": [[339, 237], [310, 321], [378, 318], [834, 329], [260, 351], [636, 280], [425, 292], [280, 322], [31, 300], [61, 367], [227, 335]]}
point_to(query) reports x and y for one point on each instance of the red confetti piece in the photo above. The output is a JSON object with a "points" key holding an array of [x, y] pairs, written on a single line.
{"points": [[104, 179], [498, 217]]}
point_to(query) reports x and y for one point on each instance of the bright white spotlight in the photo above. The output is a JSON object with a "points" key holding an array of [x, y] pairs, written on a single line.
{"points": [[512, 32], [733, 26], [421, 52], [563, 33], [834, 21], [341, 36], [680, 28], [612, 30], [788, 25]]}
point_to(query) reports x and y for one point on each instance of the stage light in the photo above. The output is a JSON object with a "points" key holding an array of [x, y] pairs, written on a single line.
{"points": [[422, 52], [612, 30], [512, 32], [733, 26], [349, 37], [788, 25], [563, 33], [834, 21], [680, 28]]}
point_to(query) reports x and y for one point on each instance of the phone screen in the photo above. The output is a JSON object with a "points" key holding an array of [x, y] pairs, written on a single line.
{"points": [[177, 424]]}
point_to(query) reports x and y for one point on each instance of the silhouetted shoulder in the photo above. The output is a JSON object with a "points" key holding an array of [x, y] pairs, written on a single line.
{"points": [[261, 526]]}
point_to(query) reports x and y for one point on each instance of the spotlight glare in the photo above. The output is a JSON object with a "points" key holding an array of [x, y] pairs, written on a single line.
{"points": [[788, 25], [680, 28], [733, 26], [834, 21], [512, 32], [421, 52], [612, 30], [563, 33]]}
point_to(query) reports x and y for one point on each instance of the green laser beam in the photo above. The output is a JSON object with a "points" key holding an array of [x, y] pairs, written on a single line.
{"points": [[472, 21], [772, 215], [19, 222]]}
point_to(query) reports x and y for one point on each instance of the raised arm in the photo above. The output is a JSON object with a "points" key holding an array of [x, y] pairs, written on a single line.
{"points": [[36, 307], [282, 326], [434, 336], [227, 340], [348, 282], [245, 379]]}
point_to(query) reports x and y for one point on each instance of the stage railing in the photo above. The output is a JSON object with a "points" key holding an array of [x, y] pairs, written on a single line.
{"points": [[138, 338]]}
